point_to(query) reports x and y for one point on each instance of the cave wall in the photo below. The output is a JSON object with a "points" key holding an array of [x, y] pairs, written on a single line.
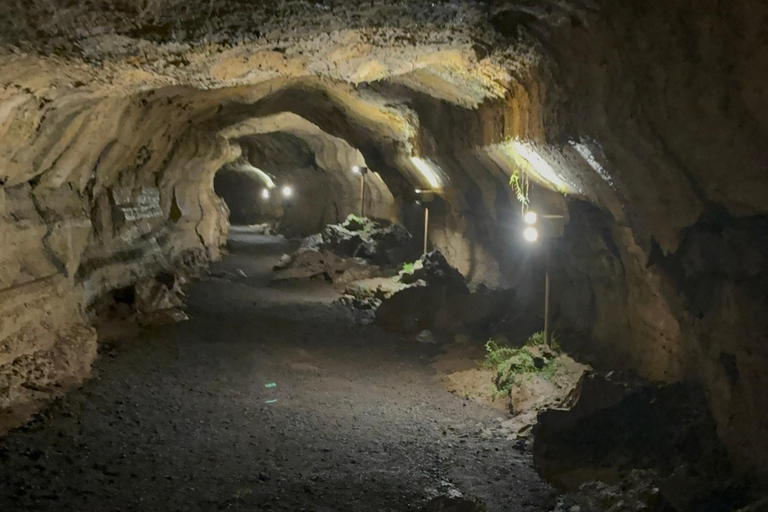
{"points": [[94, 198], [665, 278]]}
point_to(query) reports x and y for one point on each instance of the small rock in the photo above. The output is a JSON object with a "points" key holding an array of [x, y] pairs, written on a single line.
{"points": [[425, 336]]}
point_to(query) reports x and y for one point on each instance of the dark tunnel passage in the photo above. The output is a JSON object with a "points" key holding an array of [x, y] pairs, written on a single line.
{"points": [[477, 255], [247, 196]]}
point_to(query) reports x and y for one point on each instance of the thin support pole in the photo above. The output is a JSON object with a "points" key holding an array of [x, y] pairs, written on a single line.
{"points": [[547, 333], [426, 228], [362, 194]]}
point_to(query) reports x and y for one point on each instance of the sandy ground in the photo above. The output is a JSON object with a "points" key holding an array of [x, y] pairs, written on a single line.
{"points": [[179, 418]]}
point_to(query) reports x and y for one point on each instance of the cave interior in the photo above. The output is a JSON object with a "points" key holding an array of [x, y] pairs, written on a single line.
{"points": [[224, 221]]}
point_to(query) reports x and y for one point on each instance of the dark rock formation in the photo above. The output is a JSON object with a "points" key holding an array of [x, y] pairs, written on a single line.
{"points": [[439, 300], [621, 424], [380, 242]]}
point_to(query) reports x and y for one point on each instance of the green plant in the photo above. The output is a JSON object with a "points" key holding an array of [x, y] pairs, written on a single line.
{"points": [[355, 223], [408, 268], [513, 364], [520, 185]]}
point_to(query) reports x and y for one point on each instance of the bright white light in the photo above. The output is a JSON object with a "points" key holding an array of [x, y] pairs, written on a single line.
{"points": [[418, 191], [531, 234], [287, 191], [356, 170], [265, 193], [428, 170], [531, 218]]}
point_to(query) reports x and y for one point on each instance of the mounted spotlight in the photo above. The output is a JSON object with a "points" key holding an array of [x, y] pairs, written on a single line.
{"points": [[356, 170], [531, 234], [265, 194], [287, 191], [531, 218]]}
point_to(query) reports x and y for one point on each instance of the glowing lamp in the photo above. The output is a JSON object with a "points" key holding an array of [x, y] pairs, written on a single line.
{"points": [[265, 194], [531, 234], [531, 218], [356, 170], [287, 191]]}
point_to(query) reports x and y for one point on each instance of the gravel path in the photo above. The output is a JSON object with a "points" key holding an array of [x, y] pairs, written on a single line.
{"points": [[180, 418]]}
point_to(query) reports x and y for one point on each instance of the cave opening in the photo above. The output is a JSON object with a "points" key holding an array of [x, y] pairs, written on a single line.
{"points": [[336, 255]]}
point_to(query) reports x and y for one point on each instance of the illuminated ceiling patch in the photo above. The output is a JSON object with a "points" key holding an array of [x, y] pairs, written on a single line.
{"points": [[587, 155], [515, 155], [429, 171], [264, 177]]}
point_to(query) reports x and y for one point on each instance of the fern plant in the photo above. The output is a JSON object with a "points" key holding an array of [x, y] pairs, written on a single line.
{"points": [[520, 185]]}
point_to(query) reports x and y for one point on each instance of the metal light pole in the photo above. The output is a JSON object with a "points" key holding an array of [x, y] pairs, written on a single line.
{"points": [[531, 234], [426, 196], [362, 171], [547, 333]]}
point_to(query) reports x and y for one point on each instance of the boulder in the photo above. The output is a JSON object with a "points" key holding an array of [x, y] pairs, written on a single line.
{"points": [[412, 310], [159, 300], [307, 263], [438, 299], [620, 424], [434, 270], [378, 241]]}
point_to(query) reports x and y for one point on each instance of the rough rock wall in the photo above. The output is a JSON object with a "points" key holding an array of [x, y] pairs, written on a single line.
{"points": [[93, 198], [669, 103]]}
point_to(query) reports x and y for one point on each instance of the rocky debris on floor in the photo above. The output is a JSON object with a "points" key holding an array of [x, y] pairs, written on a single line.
{"points": [[644, 443], [453, 504], [439, 300], [232, 276], [380, 242], [425, 336], [258, 229], [362, 297], [376, 288], [434, 270], [160, 300], [308, 262], [522, 380], [155, 300], [535, 376], [343, 253], [637, 493]]}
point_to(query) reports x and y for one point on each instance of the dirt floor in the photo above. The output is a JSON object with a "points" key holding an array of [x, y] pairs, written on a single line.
{"points": [[180, 418]]}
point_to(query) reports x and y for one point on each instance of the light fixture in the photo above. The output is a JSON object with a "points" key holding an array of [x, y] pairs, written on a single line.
{"points": [[356, 169], [531, 234], [531, 218], [287, 191], [265, 193]]}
